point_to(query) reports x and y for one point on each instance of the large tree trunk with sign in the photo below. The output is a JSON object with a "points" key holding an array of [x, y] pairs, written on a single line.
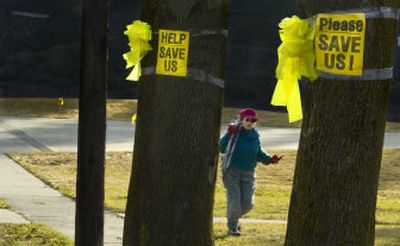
{"points": [[171, 192], [334, 192]]}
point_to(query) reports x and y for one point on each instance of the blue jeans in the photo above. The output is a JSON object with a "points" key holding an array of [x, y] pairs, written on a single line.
{"points": [[240, 186]]}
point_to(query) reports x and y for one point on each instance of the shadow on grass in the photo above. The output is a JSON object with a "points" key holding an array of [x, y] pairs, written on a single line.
{"points": [[221, 237]]}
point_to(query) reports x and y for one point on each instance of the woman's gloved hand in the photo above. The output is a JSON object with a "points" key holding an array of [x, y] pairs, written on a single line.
{"points": [[275, 159], [232, 128]]}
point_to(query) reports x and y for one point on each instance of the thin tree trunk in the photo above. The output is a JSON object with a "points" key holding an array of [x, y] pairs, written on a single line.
{"points": [[89, 218], [171, 192], [334, 192]]}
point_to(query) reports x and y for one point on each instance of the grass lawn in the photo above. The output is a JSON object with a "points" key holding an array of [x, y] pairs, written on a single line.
{"points": [[272, 193], [31, 234], [274, 235], [123, 110], [252, 234]]}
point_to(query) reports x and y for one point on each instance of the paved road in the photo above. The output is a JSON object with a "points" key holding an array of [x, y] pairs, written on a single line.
{"points": [[61, 135]]}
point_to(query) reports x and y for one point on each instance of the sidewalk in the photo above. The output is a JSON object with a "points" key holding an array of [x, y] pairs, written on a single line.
{"points": [[8, 216], [41, 204]]}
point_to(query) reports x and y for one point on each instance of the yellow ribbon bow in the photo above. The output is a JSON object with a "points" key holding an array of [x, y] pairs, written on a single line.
{"points": [[139, 34], [296, 59]]}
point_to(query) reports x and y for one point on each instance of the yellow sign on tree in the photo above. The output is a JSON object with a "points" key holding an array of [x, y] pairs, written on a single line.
{"points": [[339, 43], [173, 52]]}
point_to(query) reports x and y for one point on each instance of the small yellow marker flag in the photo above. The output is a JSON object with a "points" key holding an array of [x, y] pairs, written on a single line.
{"points": [[296, 59], [134, 116], [61, 101], [139, 34]]}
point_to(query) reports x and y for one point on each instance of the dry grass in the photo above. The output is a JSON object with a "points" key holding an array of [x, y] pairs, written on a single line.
{"points": [[252, 234], [272, 193], [50, 108], [31, 234]]}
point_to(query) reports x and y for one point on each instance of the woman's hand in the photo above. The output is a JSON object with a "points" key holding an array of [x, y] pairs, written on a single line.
{"points": [[275, 159], [232, 128]]}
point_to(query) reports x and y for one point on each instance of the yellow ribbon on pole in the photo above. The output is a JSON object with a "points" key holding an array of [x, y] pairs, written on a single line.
{"points": [[296, 59], [139, 34]]}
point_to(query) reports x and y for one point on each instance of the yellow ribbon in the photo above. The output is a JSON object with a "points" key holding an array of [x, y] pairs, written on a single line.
{"points": [[296, 59], [139, 34], [133, 120]]}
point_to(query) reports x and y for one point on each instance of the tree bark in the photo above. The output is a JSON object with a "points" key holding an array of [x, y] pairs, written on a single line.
{"points": [[89, 219], [335, 184], [171, 192]]}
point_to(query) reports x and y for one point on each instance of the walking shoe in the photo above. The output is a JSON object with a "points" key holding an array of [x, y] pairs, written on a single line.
{"points": [[235, 233]]}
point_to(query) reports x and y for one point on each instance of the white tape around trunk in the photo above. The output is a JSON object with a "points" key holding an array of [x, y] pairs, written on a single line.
{"points": [[368, 75], [373, 13], [199, 33], [192, 73]]}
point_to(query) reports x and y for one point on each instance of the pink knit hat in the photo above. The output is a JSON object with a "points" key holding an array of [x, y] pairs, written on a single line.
{"points": [[248, 113]]}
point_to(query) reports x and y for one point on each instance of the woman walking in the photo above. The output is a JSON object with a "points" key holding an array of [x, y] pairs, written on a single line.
{"points": [[241, 145]]}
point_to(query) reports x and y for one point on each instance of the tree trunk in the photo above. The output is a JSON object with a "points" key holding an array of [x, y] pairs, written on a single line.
{"points": [[89, 219], [335, 184], [171, 192]]}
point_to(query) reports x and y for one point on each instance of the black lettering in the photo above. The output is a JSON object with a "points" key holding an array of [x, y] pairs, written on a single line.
{"points": [[162, 50], [344, 26], [182, 37], [182, 54], [164, 37], [323, 45], [352, 26], [359, 26], [351, 62], [171, 37], [174, 66], [345, 43], [336, 25], [323, 22], [334, 43], [168, 53], [167, 65], [175, 52], [340, 65], [356, 44], [329, 61]]}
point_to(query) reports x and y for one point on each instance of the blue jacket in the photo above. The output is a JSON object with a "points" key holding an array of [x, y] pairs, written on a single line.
{"points": [[248, 150]]}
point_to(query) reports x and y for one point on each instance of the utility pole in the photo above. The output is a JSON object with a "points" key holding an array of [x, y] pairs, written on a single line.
{"points": [[335, 185], [171, 192], [89, 219]]}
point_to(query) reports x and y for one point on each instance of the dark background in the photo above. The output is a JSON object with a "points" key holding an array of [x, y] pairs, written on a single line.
{"points": [[39, 50]]}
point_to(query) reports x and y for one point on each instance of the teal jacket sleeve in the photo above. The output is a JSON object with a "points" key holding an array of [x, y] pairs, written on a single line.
{"points": [[263, 156], [223, 143]]}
